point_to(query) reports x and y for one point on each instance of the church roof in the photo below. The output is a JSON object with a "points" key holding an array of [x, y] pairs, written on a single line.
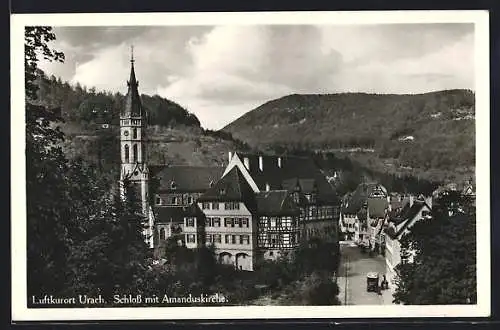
{"points": [[133, 105], [186, 178]]}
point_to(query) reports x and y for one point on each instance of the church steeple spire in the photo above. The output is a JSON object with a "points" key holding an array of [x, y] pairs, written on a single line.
{"points": [[134, 169], [133, 105]]}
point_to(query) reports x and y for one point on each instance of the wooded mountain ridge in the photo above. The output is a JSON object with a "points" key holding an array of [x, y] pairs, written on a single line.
{"points": [[421, 131]]}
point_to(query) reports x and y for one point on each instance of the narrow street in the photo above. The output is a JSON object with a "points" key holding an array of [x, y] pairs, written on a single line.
{"points": [[352, 277]]}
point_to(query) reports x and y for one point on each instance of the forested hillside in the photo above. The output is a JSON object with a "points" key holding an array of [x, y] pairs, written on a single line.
{"points": [[87, 106], [91, 128], [392, 132]]}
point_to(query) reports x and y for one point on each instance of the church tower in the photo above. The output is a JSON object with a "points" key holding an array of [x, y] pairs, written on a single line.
{"points": [[134, 168]]}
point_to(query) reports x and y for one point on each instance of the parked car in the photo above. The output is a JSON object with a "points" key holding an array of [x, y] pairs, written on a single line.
{"points": [[372, 280]]}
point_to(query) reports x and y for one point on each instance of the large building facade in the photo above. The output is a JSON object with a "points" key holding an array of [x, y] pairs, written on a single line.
{"points": [[264, 206], [255, 208]]}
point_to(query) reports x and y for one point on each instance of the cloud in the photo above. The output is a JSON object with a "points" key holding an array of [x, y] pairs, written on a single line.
{"points": [[251, 65], [451, 66], [221, 72]]}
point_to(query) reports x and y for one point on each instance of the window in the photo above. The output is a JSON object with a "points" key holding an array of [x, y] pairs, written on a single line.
{"points": [[232, 206], [216, 222], [244, 222], [205, 206], [190, 222], [233, 239], [173, 185], [245, 239], [222, 191], [208, 222], [215, 206], [127, 159], [273, 222], [217, 238], [228, 222], [274, 239], [190, 238], [163, 235], [158, 200], [134, 133], [208, 238], [134, 148], [227, 239], [173, 200], [237, 222], [190, 200]]}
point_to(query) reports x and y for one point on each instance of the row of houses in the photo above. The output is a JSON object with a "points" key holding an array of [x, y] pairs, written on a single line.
{"points": [[377, 220], [255, 208]]}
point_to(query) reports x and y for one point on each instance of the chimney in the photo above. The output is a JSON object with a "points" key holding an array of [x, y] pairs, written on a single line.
{"points": [[246, 162], [230, 155], [261, 164], [279, 162], [268, 187], [411, 200]]}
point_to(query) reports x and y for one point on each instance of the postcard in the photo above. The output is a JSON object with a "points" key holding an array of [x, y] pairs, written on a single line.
{"points": [[215, 166]]}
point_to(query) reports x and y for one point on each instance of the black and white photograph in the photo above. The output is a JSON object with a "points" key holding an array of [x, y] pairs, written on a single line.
{"points": [[250, 165]]}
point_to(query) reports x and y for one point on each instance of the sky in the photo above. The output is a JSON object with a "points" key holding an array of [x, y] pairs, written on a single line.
{"points": [[221, 72]]}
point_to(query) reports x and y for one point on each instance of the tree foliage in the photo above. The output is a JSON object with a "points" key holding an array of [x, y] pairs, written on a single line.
{"points": [[47, 204], [81, 237], [89, 107], [439, 256]]}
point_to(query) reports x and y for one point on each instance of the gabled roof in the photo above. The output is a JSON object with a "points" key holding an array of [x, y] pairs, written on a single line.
{"points": [[406, 214], [186, 178], [360, 196], [277, 171], [377, 207], [232, 187], [276, 202]]}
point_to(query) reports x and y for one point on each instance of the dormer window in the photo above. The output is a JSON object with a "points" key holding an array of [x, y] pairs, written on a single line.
{"points": [[173, 185], [158, 200], [222, 191]]}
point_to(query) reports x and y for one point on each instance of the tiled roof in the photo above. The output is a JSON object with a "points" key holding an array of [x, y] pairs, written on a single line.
{"points": [[167, 214], [193, 211], [302, 168], [232, 187], [276, 202], [408, 212], [376, 207], [186, 178], [359, 197]]}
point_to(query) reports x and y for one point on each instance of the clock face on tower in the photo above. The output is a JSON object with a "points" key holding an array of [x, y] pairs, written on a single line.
{"points": [[125, 133]]}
